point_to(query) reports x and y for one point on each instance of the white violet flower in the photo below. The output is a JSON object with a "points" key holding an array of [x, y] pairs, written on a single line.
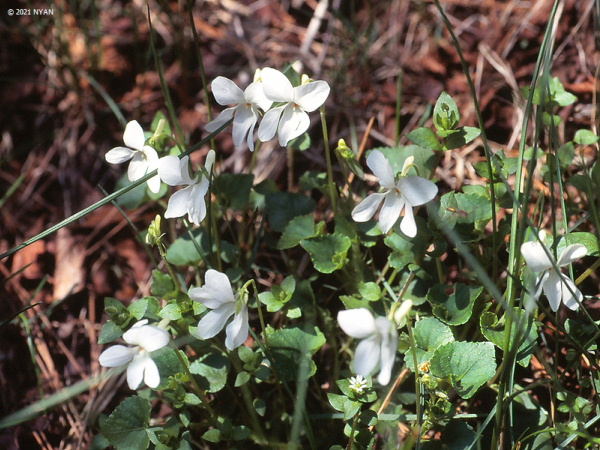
{"points": [[556, 286], [290, 119], [217, 295], [190, 199], [379, 342], [144, 158], [246, 107], [399, 195], [146, 339], [357, 384]]}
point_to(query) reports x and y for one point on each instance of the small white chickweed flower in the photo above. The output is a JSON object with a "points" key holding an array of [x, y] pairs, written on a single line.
{"points": [[358, 384], [144, 158], [145, 339], [399, 195], [557, 287], [217, 295]]}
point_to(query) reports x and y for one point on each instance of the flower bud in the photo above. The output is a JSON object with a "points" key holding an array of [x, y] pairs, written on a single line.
{"points": [[153, 236], [402, 311], [210, 160]]}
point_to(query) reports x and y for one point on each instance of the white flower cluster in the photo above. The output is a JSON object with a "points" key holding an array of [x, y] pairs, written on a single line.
{"points": [[289, 119], [217, 295]]}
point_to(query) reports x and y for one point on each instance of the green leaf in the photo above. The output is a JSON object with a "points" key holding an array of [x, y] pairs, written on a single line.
{"points": [[448, 211], [109, 332], [246, 354], [564, 98], [476, 207], [585, 137], [445, 113], [405, 250], [192, 399], [456, 435], [550, 119], [494, 331], [161, 283], [133, 198], [313, 180], [241, 379], [344, 404], [299, 228], [279, 295], [233, 189], [468, 365], [528, 154], [126, 427], [424, 137], [328, 253], [116, 311], [144, 307], [259, 406], [168, 363], [213, 369], [370, 291], [461, 137], [282, 207], [454, 308], [301, 143], [171, 311], [429, 333], [566, 153], [290, 346], [588, 240], [213, 435], [183, 252]]}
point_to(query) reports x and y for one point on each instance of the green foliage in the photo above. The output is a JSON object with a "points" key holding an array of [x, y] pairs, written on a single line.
{"points": [[279, 295], [445, 115], [299, 228], [468, 365], [282, 207], [211, 370], [523, 332], [269, 391], [454, 308], [328, 252], [293, 345], [233, 189], [126, 428], [429, 334]]}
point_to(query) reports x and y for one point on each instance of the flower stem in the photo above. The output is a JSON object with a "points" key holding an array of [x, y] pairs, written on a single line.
{"points": [[332, 192], [413, 347], [290, 153], [199, 392], [247, 397], [351, 438], [254, 153]]}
